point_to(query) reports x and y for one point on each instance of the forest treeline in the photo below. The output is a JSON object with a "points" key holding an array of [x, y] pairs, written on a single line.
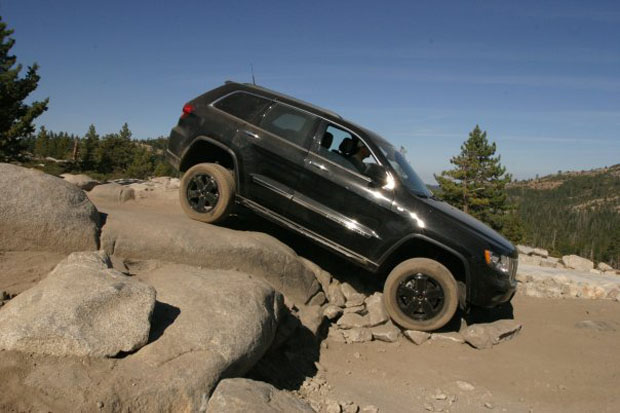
{"points": [[572, 213], [114, 155]]}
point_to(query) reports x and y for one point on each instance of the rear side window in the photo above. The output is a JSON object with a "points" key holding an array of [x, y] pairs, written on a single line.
{"points": [[243, 105], [289, 123]]}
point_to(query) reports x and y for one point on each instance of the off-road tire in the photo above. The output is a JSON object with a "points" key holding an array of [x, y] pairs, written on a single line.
{"points": [[224, 191], [438, 276]]}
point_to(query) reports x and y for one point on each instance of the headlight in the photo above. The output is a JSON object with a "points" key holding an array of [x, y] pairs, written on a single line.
{"points": [[499, 262]]}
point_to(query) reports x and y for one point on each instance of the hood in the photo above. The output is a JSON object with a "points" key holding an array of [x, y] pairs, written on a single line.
{"points": [[470, 222]]}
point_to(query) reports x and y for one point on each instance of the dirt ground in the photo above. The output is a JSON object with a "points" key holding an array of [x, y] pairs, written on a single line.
{"points": [[553, 365]]}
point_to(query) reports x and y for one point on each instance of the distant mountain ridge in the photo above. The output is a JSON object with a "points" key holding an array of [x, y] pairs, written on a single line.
{"points": [[573, 212]]}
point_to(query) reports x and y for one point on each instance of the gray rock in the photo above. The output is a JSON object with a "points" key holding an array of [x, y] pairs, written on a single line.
{"points": [[336, 335], [464, 385], [418, 337], [376, 309], [82, 181], [248, 396], [483, 336], [353, 298], [43, 212], [311, 317], [451, 337], [350, 407], [370, 409], [359, 309], [82, 308], [577, 263], [210, 324], [524, 250], [348, 290], [546, 262], [332, 406], [332, 311], [353, 320], [357, 335], [323, 277], [113, 192], [318, 299], [604, 267], [334, 294], [386, 332], [529, 260], [131, 235], [540, 252]]}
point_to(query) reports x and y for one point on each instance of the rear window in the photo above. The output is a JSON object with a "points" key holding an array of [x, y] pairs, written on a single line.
{"points": [[243, 105]]}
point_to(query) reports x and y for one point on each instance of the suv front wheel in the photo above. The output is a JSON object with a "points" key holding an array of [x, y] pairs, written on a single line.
{"points": [[420, 294], [207, 192]]}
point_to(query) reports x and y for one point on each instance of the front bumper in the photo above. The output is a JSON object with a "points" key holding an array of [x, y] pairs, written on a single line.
{"points": [[491, 287]]}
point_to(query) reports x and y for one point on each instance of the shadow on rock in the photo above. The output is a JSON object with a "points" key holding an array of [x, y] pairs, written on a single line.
{"points": [[293, 356], [163, 316]]}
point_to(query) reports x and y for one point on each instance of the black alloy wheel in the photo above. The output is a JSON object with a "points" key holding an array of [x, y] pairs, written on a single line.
{"points": [[420, 297], [202, 193]]}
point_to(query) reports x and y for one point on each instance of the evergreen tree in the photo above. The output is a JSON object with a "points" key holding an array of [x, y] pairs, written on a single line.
{"points": [[477, 185], [15, 116], [116, 151], [88, 150], [42, 143], [142, 165]]}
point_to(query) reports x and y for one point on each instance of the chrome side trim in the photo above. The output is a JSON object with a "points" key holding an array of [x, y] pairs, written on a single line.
{"points": [[269, 214], [348, 223], [262, 181]]}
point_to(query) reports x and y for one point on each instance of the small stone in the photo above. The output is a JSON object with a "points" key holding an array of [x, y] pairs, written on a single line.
{"points": [[357, 355], [100, 405], [418, 337], [370, 409], [358, 335], [465, 386], [376, 309], [332, 406], [387, 332], [350, 407], [347, 290], [332, 311], [358, 309], [604, 267], [334, 295], [453, 337], [336, 335], [319, 366], [440, 396], [355, 300], [4, 295], [318, 299], [352, 320], [489, 405], [324, 345], [429, 407]]}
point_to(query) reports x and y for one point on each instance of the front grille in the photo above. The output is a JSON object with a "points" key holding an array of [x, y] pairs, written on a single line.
{"points": [[513, 263]]}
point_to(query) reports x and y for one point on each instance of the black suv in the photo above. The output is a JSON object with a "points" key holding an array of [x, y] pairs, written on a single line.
{"points": [[344, 187]]}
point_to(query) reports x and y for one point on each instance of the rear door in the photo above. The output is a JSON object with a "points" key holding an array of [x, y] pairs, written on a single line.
{"points": [[273, 149], [336, 200]]}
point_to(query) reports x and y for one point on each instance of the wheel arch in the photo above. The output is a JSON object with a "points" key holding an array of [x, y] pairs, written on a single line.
{"points": [[206, 149], [420, 246]]}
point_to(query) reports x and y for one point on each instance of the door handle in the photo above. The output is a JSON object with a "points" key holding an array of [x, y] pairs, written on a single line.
{"points": [[250, 134]]}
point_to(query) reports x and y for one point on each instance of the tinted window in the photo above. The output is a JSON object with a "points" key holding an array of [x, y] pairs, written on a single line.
{"points": [[289, 123], [243, 105], [339, 146]]}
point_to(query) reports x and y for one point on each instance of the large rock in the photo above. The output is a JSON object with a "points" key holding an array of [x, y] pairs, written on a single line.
{"points": [[577, 263], [113, 192], [130, 235], [376, 309], [84, 182], [249, 396], [42, 212], [209, 324], [82, 308], [482, 336], [604, 267]]}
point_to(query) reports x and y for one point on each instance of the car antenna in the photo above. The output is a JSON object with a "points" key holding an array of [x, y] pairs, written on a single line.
{"points": [[252, 70]]}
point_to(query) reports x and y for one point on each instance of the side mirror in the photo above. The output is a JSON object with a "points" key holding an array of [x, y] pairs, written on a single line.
{"points": [[376, 173]]}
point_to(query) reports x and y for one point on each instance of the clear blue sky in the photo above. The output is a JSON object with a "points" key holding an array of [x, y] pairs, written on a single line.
{"points": [[542, 78]]}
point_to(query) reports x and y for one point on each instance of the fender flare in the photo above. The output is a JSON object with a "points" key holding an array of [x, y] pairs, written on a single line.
{"points": [[219, 145]]}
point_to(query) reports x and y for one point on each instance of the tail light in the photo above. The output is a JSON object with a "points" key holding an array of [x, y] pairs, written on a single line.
{"points": [[187, 110]]}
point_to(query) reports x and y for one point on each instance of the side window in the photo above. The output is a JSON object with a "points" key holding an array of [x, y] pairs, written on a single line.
{"points": [[243, 105], [345, 149], [289, 123]]}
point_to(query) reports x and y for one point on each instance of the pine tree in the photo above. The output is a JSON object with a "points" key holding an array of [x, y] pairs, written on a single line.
{"points": [[88, 150], [142, 165], [116, 151], [477, 185], [42, 143], [15, 116]]}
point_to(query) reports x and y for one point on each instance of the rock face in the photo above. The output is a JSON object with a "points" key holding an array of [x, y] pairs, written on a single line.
{"points": [[113, 192], [249, 396], [128, 235], [84, 182], [483, 336], [577, 263], [82, 308], [42, 212], [208, 324]]}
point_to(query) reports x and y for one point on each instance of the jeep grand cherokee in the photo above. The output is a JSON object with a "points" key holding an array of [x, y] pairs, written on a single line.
{"points": [[344, 187]]}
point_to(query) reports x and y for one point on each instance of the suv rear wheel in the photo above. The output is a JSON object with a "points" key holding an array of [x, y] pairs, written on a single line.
{"points": [[207, 192], [420, 294]]}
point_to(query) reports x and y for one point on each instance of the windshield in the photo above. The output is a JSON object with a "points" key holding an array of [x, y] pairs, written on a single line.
{"points": [[402, 168]]}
